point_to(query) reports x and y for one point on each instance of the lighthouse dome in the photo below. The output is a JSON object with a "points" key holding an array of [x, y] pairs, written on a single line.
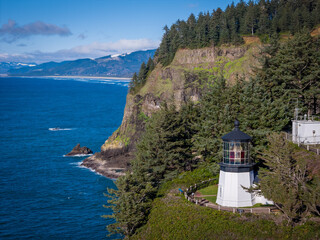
{"points": [[236, 135]]}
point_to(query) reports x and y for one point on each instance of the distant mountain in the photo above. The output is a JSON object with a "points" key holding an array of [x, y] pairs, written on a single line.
{"points": [[123, 65], [6, 66]]}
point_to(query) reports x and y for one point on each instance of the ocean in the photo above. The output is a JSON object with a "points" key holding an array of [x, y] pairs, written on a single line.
{"points": [[44, 195]]}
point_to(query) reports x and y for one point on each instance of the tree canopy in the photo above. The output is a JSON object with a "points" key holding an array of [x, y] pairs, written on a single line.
{"points": [[176, 141], [264, 17], [287, 179]]}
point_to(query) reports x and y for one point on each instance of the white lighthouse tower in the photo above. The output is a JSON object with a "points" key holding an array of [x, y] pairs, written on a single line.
{"points": [[236, 170]]}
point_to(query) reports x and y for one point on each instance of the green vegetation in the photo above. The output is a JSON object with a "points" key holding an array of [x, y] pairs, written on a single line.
{"points": [[138, 80], [287, 181], [210, 190], [189, 178], [177, 142], [163, 152], [212, 199], [261, 18], [174, 218]]}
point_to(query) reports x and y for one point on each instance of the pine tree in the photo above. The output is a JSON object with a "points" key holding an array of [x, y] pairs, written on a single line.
{"points": [[131, 204], [214, 27], [133, 83], [251, 18], [294, 71], [164, 49], [215, 120], [191, 34], [150, 66], [287, 181], [142, 74], [264, 23]]}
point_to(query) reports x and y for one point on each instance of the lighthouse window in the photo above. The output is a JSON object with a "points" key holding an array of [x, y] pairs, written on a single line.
{"points": [[236, 153]]}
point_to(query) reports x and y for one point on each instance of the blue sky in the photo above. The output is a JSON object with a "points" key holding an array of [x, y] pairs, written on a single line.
{"points": [[57, 30]]}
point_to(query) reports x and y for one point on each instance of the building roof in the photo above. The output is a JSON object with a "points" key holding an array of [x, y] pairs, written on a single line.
{"points": [[236, 135]]}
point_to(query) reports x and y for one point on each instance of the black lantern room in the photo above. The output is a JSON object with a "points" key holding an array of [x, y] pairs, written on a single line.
{"points": [[236, 147]]}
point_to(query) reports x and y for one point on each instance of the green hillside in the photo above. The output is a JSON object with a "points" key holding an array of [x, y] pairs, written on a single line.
{"points": [[182, 102]]}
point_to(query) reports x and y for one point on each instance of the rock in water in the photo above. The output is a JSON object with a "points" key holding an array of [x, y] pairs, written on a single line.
{"points": [[77, 150]]}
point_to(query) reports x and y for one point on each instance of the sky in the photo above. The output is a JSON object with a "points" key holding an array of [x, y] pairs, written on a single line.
{"points": [[36, 31]]}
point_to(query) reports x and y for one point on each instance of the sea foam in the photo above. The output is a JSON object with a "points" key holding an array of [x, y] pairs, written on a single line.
{"points": [[60, 129]]}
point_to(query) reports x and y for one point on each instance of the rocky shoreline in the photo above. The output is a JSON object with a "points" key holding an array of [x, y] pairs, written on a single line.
{"points": [[110, 167]]}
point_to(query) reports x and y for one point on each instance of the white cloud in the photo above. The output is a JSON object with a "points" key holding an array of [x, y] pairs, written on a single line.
{"points": [[12, 31], [93, 50], [121, 46]]}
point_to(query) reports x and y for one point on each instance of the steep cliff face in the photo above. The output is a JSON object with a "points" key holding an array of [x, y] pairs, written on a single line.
{"points": [[175, 84]]}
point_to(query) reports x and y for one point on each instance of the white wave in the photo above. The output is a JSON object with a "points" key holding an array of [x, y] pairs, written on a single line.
{"points": [[101, 80], [79, 155], [78, 164], [60, 129]]}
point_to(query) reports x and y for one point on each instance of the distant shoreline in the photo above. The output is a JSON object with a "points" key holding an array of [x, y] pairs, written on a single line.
{"points": [[60, 76]]}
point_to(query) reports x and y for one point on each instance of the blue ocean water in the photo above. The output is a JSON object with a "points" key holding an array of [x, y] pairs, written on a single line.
{"points": [[44, 195]]}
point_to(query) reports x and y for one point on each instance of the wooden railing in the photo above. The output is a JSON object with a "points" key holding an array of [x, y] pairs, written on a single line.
{"points": [[189, 195]]}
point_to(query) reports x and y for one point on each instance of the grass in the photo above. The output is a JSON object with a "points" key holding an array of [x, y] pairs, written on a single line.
{"points": [[212, 199], [173, 217], [187, 179], [257, 205], [210, 190]]}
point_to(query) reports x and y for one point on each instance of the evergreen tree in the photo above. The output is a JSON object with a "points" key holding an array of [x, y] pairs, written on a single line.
{"points": [[263, 22], [214, 27], [150, 66], [251, 18], [287, 181], [133, 83], [191, 34], [163, 152], [215, 119], [263, 17], [163, 55], [294, 71], [131, 204], [142, 77]]}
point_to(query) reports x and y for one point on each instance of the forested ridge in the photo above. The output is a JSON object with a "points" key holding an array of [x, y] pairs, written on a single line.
{"points": [[261, 18], [181, 143]]}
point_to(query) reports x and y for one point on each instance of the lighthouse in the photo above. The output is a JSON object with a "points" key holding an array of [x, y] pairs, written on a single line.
{"points": [[236, 170]]}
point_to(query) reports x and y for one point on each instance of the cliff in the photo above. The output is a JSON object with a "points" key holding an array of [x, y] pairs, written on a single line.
{"points": [[175, 84]]}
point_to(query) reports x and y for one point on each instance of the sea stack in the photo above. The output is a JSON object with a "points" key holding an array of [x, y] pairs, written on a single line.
{"points": [[77, 150]]}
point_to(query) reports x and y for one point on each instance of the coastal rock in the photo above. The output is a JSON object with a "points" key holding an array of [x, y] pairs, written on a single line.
{"points": [[77, 150], [175, 84], [111, 166]]}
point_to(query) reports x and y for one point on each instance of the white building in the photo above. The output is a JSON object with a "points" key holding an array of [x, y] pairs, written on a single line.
{"points": [[237, 171], [306, 131]]}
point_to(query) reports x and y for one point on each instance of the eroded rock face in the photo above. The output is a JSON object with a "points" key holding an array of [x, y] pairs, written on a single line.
{"points": [[175, 84], [78, 150], [207, 55]]}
